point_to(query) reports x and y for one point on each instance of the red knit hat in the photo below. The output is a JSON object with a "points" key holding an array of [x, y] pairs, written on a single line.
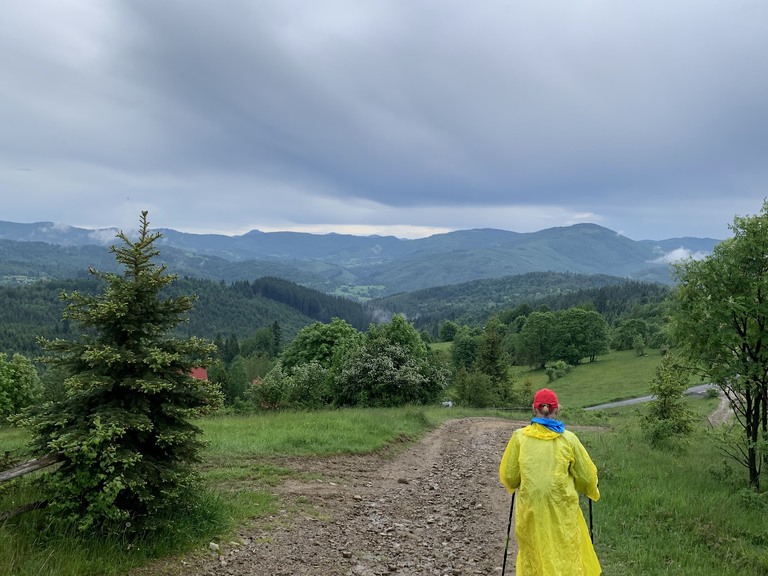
{"points": [[545, 396]]}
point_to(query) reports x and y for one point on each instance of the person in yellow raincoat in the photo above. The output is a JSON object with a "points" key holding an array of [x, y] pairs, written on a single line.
{"points": [[548, 465]]}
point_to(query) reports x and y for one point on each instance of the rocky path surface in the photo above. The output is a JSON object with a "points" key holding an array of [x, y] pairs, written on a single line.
{"points": [[436, 508]]}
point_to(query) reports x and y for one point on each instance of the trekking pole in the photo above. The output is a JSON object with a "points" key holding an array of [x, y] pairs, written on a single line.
{"points": [[591, 534], [509, 528]]}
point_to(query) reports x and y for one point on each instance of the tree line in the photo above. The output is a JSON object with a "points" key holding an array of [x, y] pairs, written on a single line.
{"points": [[473, 303], [535, 337]]}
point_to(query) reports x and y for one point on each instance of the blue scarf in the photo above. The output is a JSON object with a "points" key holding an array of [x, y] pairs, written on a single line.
{"points": [[554, 425]]}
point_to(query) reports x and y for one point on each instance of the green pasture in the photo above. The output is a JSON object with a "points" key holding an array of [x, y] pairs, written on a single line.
{"points": [[611, 378], [359, 293], [441, 346], [13, 440]]}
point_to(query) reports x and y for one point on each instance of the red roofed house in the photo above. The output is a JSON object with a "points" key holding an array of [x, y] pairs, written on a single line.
{"points": [[199, 373]]}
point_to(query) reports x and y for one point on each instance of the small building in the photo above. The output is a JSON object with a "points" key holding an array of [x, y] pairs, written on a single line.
{"points": [[199, 373]]}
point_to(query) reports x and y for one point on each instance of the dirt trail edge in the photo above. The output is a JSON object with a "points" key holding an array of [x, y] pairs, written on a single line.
{"points": [[723, 413], [437, 508]]}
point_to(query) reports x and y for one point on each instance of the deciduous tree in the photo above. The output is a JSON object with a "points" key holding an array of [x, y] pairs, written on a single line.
{"points": [[389, 367], [570, 336], [464, 348], [19, 384], [322, 343], [533, 345], [721, 323], [448, 330]]}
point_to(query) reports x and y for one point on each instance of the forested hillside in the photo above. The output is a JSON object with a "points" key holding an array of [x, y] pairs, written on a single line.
{"points": [[27, 312], [455, 301], [613, 301], [34, 260], [318, 306], [583, 248], [474, 302]]}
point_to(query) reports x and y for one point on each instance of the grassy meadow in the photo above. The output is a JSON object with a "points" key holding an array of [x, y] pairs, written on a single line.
{"points": [[611, 378], [681, 510]]}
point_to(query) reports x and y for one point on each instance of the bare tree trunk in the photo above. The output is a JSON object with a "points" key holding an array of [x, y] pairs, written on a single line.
{"points": [[763, 391], [22, 509], [752, 428], [30, 466]]}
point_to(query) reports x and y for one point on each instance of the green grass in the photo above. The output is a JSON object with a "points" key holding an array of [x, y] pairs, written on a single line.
{"points": [[349, 431], [673, 510], [703, 406], [30, 545], [612, 377], [441, 346], [359, 293], [13, 440]]}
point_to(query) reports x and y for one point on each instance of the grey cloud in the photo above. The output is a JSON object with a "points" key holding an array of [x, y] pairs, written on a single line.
{"points": [[503, 102], [608, 108]]}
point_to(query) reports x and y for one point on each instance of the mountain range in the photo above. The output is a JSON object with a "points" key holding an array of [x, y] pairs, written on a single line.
{"points": [[357, 266]]}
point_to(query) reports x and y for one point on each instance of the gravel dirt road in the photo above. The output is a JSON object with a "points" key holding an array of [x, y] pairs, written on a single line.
{"points": [[723, 414], [435, 508]]}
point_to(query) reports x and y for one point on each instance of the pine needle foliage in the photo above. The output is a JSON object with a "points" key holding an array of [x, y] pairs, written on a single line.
{"points": [[124, 427], [668, 417]]}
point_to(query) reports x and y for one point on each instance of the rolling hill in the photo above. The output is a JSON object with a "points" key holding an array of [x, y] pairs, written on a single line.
{"points": [[339, 263]]}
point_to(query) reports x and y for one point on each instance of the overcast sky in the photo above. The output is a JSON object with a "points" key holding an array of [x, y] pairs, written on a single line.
{"points": [[403, 117]]}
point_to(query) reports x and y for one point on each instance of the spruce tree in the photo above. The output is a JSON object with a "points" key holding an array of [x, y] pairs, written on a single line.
{"points": [[277, 334], [124, 428], [493, 361]]}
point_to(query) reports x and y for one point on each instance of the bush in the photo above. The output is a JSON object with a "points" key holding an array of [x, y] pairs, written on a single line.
{"points": [[267, 394], [19, 384], [380, 373], [668, 417], [638, 343], [306, 387], [473, 389], [390, 366], [557, 370], [523, 394]]}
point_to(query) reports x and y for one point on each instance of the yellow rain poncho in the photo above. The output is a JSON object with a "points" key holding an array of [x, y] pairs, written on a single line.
{"points": [[548, 468]]}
